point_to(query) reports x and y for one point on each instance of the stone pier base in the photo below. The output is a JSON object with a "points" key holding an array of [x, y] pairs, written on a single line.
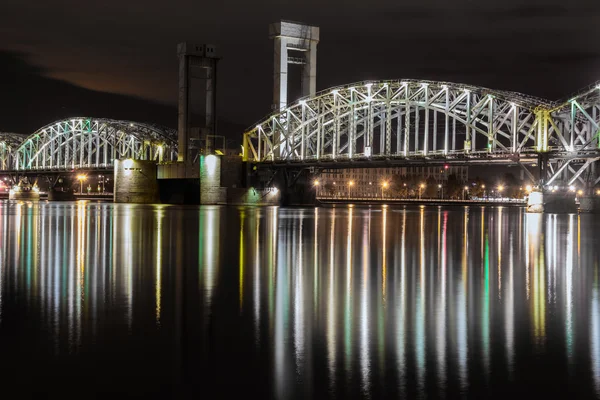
{"points": [[589, 204]]}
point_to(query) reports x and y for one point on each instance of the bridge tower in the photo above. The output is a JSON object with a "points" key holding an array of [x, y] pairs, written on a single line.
{"points": [[197, 117], [300, 38]]}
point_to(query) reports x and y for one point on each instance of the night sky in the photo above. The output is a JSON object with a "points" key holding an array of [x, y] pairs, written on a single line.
{"points": [[118, 58]]}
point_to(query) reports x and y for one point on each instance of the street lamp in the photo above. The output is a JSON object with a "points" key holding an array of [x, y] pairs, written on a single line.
{"points": [[81, 178], [528, 188], [465, 192], [500, 189], [442, 190], [421, 187], [351, 183], [384, 185]]}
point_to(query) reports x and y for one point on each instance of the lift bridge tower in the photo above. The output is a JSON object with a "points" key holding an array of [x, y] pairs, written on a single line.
{"points": [[197, 116], [302, 40]]}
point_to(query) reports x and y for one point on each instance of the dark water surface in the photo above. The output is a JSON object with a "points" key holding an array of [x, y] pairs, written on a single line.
{"points": [[264, 303]]}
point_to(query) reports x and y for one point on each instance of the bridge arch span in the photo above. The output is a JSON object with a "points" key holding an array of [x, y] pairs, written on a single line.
{"points": [[406, 118], [92, 143]]}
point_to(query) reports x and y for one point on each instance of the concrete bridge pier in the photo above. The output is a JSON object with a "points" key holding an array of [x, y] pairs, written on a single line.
{"points": [[551, 202], [296, 187]]}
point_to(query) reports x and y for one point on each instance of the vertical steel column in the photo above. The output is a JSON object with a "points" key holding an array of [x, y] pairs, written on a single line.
{"points": [[490, 123], [514, 128], [352, 126], [467, 125], [303, 133], [426, 139], [388, 124], [417, 121], [398, 129], [434, 131], [447, 121], [407, 124]]}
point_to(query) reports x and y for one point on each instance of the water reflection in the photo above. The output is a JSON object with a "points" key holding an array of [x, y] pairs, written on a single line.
{"points": [[341, 301]]}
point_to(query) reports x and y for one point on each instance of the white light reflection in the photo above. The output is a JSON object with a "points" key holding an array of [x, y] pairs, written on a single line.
{"points": [[569, 298], [365, 358], [509, 311], [461, 306], [420, 339], [441, 310], [401, 313], [212, 250], [348, 300], [331, 345], [299, 300]]}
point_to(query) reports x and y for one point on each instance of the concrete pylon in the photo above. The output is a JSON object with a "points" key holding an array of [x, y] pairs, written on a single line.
{"points": [[197, 63], [300, 38]]}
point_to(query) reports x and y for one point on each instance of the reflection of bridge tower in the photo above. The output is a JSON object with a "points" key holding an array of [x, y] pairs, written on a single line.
{"points": [[197, 97], [291, 36]]}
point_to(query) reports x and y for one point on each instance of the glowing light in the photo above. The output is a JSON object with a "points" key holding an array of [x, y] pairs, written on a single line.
{"points": [[422, 185], [528, 188], [275, 190], [598, 192], [500, 188], [128, 163], [82, 177], [466, 188], [385, 184], [211, 164], [316, 183], [351, 183], [580, 192], [572, 188]]}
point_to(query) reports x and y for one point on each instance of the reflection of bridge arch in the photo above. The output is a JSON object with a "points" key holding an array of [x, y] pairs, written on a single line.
{"points": [[397, 120], [92, 143]]}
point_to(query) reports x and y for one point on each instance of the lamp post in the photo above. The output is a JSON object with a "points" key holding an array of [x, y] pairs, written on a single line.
{"points": [[421, 187], [466, 189], [441, 190], [384, 185], [500, 189], [483, 187], [350, 184], [81, 178]]}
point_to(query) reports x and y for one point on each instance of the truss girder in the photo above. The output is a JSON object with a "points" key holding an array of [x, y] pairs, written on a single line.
{"points": [[397, 119], [90, 143], [425, 119]]}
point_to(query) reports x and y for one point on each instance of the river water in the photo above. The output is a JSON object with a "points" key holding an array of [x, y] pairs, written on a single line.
{"points": [[418, 302]]}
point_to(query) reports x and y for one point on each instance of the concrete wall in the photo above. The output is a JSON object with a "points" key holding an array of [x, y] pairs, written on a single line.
{"points": [[211, 191], [135, 181], [244, 196]]}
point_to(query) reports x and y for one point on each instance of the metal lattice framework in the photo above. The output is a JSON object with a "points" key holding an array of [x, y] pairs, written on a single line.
{"points": [[425, 120], [9, 142], [86, 143]]}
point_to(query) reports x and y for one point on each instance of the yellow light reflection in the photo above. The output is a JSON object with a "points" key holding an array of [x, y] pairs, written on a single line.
{"points": [[158, 283]]}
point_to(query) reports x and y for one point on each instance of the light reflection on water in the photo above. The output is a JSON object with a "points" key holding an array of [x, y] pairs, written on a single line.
{"points": [[346, 301]]}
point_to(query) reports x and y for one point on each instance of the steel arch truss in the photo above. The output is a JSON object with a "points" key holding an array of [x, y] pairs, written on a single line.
{"points": [[90, 143], [402, 119], [431, 120], [573, 131], [9, 143]]}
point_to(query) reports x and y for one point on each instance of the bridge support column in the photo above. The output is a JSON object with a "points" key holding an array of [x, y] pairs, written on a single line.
{"points": [[535, 202], [136, 182], [296, 187], [589, 204], [211, 191]]}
